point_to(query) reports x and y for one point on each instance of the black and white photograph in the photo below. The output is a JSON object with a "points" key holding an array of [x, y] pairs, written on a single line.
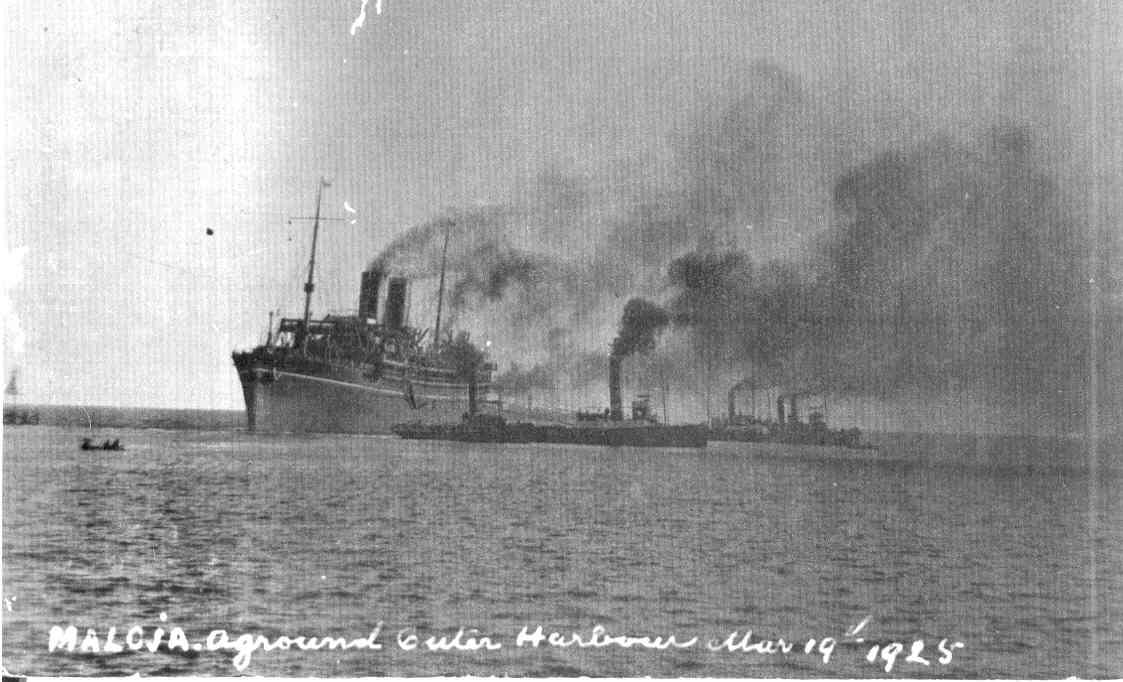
{"points": [[601, 338]]}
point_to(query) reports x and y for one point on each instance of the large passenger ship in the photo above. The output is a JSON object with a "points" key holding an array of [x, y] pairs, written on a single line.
{"points": [[358, 373]]}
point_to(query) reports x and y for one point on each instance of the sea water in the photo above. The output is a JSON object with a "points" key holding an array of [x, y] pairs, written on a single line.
{"points": [[212, 553]]}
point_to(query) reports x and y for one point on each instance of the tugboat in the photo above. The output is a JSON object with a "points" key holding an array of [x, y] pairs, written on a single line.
{"points": [[607, 428], [786, 427], [115, 446]]}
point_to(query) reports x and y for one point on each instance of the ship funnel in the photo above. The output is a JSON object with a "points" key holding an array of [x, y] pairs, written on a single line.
{"points": [[473, 397], [615, 404], [368, 294], [394, 314]]}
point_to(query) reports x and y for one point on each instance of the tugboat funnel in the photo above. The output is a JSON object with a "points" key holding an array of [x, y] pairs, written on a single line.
{"points": [[615, 404]]}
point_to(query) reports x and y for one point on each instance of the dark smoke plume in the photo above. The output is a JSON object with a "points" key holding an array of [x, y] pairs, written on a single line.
{"points": [[746, 164], [639, 327], [784, 245], [492, 269], [951, 268], [738, 311]]}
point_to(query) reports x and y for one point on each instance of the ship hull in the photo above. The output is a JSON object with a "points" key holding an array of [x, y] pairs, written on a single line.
{"points": [[822, 438], [287, 402], [615, 435]]}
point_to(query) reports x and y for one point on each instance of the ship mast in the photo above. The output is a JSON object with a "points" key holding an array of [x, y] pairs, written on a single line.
{"points": [[441, 289], [309, 286]]}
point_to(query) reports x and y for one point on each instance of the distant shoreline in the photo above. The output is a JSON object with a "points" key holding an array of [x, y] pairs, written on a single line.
{"points": [[103, 416]]}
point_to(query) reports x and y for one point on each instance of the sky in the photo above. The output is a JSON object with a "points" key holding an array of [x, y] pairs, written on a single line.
{"points": [[136, 127]]}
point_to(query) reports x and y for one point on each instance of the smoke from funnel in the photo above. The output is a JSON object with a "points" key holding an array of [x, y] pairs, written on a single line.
{"points": [[493, 269], [787, 250], [639, 327], [951, 269]]}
